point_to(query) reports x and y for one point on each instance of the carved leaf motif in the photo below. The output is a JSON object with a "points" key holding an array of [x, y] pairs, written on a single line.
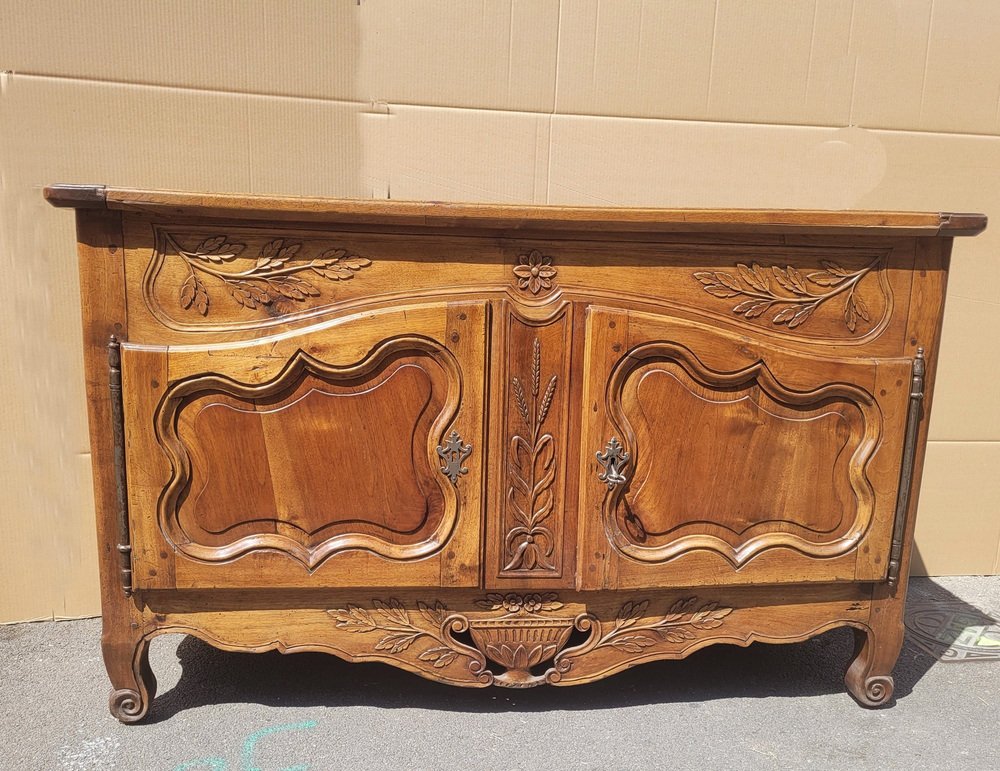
{"points": [[393, 611], [825, 279], [834, 268], [342, 262], [785, 314], [271, 275], [710, 616], [861, 308], [400, 633], [440, 656], [491, 602], [435, 613], [631, 634], [630, 613], [790, 279], [754, 276], [801, 316], [520, 656], [193, 293], [354, 619], [796, 301], [249, 295], [719, 290], [217, 250], [293, 287], [679, 608], [680, 634], [394, 642], [633, 643], [753, 308]]}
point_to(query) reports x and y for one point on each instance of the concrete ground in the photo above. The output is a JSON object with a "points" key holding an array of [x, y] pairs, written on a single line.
{"points": [[766, 707]]}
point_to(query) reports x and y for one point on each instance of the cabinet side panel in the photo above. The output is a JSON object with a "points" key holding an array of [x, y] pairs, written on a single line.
{"points": [[930, 280], [102, 291]]}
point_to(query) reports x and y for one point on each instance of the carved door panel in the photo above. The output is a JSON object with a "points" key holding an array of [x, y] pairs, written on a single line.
{"points": [[346, 454], [709, 458], [530, 535]]}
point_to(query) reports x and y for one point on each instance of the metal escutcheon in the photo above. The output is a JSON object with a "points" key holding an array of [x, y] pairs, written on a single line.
{"points": [[614, 459]]}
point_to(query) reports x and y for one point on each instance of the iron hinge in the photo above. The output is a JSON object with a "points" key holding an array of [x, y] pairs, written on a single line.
{"points": [[124, 544], [913, 417]]}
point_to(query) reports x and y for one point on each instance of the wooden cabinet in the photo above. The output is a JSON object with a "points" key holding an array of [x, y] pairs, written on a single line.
{"points": [[503, 445]]}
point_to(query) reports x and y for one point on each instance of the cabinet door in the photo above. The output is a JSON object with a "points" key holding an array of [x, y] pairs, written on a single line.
{"points": [[710, 458], [344, 454]]}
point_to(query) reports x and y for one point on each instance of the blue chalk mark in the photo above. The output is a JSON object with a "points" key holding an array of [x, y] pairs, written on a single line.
{"points": [[256, 736], [249, 745]]}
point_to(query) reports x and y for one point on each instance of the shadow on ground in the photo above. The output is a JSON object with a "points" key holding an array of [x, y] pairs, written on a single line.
{"points": [[812, 668]]}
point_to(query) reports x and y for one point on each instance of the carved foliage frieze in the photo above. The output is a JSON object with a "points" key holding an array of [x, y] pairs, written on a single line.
{"points": [[633, 632], [280, 269], [519, 640], [787, 296], [243, 276]]}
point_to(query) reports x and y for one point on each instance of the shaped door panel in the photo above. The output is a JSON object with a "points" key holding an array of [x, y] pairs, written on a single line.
{"points": [[713, 458], [317, 457]]}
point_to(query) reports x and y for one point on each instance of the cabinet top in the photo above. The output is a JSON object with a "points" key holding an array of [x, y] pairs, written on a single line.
{"points": [[515, 217]]}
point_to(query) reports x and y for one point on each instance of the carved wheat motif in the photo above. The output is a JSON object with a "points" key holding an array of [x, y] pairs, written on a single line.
{"points": [[531, 472], [680, 622], [797, 299], [271, 276]]}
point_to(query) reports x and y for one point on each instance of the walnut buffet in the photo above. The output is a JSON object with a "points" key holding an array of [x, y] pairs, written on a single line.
{"points": [[503, 445]]}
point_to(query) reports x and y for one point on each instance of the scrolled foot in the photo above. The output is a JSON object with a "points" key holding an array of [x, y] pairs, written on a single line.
{"points": [[864, 678], [128, 705], [873, 691], [132, 680]]}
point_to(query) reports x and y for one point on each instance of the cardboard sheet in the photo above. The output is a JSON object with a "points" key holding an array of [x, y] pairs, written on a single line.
{"points": [[826, 104]]}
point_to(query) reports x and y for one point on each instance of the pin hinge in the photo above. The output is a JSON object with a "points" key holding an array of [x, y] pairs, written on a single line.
{"points": [[913, 417], [121, 482]]}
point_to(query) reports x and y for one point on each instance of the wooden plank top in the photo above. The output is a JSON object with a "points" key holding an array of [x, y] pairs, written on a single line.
{"points": [[516, 217]]}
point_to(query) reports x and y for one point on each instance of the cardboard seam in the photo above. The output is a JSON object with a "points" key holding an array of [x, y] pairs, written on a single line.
{"points": [[469, 108]]}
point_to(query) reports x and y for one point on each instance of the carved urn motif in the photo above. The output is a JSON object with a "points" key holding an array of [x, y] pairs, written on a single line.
{"points": [[521, 638]]}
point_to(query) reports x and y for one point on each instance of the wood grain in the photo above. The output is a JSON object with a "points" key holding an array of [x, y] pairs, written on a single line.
{"points": [[595, 218], [505, 445]]}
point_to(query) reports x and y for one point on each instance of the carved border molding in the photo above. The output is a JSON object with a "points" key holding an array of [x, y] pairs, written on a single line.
{"points": [[298, 366], [757, 372]]}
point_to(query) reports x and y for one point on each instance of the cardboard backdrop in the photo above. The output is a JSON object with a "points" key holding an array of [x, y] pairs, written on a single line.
{"points": [[827, 104]]}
